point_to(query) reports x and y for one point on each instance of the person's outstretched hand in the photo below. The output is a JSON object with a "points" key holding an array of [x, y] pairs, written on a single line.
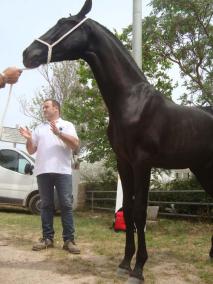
{"points": [[25, 132], [11, 75]]}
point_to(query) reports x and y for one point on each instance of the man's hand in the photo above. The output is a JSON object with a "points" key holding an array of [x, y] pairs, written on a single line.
{"points": [[11, 75], [69, 140], [25, 132], [54, 128]]}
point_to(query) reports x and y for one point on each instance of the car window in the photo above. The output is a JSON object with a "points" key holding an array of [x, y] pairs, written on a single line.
{"points": [[30, 157], [12, 160], [9, 160], [21, 164]]}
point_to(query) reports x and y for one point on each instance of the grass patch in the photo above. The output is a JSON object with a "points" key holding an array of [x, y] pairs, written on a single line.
{"points": [[181, 246]]}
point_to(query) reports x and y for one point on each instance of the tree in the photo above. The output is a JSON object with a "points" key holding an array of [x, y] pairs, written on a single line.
{"points": [[61, 81], [154, 66], [182, 32]]}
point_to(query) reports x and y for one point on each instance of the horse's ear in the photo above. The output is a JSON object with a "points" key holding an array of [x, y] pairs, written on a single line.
{"points": [[85, 9]]}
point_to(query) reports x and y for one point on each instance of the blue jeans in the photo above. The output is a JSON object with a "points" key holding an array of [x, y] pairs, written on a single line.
{"points": [[63, 184]]}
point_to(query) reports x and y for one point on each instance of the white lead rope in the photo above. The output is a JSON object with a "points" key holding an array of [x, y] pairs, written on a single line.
{"points": [[5, 111], [6, 107]]}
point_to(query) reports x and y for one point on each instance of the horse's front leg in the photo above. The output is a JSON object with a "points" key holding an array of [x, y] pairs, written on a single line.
{"points": [[141, 182], [126, 175]]}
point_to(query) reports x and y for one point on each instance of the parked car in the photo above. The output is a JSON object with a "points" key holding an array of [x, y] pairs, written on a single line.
{"points": [[18, 185]]}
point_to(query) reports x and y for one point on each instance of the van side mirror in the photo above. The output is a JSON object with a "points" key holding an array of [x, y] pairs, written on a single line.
{"points": [[28, 169]]}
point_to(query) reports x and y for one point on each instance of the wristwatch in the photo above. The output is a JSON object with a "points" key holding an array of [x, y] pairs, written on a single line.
{"points": [[60, 131]]}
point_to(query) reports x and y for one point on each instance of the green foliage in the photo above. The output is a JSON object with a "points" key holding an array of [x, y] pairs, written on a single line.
{"points": [[182, 32], [182, 184], [97, 173], [155, 72]]}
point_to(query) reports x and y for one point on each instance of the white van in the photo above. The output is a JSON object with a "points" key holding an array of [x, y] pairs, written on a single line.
{"points": [[18, 185]]}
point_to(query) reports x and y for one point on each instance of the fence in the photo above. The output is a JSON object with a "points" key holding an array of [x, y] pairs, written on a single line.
{"points": [[102, 200], [171, 203]]}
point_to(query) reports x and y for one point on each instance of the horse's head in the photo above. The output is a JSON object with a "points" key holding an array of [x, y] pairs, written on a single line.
{"points": [[53, 47]]}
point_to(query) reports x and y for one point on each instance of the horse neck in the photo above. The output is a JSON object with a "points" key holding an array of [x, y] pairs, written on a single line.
{"points": [[114, 69]]}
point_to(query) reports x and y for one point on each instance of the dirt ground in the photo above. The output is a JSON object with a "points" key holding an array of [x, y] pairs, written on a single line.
{"points": [[20, 265]]}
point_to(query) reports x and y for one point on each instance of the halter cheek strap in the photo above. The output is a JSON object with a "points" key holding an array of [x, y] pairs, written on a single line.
{"points": [[50, 46]]}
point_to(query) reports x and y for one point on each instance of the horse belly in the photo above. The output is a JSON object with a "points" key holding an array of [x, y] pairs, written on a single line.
{"points": [[188, 158]]}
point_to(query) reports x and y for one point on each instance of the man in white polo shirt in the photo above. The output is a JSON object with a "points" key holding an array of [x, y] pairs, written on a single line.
{"points": [[53, 142]]}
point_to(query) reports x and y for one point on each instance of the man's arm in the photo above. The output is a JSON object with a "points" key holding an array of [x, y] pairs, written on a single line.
{"points": [[26, 133], [31, 149], [69, 140]]}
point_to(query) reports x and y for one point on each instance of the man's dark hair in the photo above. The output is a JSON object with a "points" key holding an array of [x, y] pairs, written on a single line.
{"points": [[55, 104]]}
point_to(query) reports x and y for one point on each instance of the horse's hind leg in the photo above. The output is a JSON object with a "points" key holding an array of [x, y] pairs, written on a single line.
{"points": [[126, 175], [204, 176]]}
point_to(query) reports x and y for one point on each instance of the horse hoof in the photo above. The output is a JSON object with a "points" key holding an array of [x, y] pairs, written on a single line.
{"points": [[122, 272], [133, 280]]}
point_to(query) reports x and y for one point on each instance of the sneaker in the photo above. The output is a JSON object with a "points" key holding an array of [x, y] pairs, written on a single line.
{"points": [[71, 247], [43, 244]]}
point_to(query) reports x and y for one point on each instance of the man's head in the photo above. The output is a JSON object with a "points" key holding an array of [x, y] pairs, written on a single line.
{"points": [[51, 109]]}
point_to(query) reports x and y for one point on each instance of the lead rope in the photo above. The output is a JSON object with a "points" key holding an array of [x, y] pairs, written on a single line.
{"points": [[6, 107]]}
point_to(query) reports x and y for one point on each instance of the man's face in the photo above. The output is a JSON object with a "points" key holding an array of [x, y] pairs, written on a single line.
{"points": [[50, 111]]}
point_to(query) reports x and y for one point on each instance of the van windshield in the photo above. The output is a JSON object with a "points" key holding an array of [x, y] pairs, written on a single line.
{"points": [[30, 157]]}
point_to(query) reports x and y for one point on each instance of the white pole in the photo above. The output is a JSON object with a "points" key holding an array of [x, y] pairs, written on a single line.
{"points": [[137, 55], [137, 35], [137, 32]]}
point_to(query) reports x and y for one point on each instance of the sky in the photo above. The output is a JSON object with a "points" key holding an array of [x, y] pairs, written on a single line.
{"points": [[21, 21]]}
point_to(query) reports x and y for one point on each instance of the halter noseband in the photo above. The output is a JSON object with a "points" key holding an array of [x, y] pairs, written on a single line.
{"points": [[50, 46]]}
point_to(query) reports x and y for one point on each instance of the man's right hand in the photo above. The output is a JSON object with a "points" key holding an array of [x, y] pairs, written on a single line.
{"points": [[25, 132]]}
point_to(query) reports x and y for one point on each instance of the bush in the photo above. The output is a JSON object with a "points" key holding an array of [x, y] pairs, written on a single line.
{"points": [[97, 173], [170, 194], [182, 184]]}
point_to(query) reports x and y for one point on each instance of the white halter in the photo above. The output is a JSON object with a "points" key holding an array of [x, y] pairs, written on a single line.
{"points": [[50, 46]]}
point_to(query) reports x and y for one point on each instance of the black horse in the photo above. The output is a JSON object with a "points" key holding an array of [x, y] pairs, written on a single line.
{"points": [[145, 129]]}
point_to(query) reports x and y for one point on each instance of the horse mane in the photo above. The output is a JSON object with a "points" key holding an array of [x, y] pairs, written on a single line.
{"points": [[122, 48], [208, 109]]}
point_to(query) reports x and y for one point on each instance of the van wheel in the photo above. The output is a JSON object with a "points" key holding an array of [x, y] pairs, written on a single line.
{"points": [[34, 204]]}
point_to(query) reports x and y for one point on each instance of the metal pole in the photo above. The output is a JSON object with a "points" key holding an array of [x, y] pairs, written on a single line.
{"points": [[137, 55], [92, 202], [137, 32]]}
